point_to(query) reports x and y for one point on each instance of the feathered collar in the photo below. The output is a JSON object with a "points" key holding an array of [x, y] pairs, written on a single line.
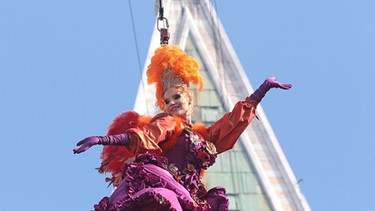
{"points": [[181, 125]]}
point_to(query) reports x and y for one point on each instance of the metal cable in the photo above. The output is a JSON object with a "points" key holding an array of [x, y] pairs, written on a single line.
{"points": [[137, 50]]}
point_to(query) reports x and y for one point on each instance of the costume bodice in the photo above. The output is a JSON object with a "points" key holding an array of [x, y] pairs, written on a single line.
{"points": [[188, 157]]}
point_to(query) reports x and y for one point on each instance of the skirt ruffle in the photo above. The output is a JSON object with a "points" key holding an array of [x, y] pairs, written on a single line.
{"points": [[148, 186]]}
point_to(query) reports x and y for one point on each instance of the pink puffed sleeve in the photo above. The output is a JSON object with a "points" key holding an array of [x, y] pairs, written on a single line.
{"points": [[225, 132], [147, 137]]}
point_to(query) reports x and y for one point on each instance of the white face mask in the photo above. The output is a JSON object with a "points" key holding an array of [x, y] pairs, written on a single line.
{"points": [[177, 103]]}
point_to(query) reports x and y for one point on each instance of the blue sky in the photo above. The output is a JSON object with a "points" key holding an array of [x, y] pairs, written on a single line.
{"points": [[67, 68]]}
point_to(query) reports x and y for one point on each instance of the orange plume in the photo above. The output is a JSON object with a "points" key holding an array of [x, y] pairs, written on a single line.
{"points": [[171, 66]]}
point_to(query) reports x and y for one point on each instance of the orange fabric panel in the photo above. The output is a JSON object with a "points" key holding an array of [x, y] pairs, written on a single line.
{"points": [[148, 137], [225, 132]]}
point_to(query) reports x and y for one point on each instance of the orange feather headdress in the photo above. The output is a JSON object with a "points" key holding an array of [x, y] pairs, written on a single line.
{"points": [[170, 66]]}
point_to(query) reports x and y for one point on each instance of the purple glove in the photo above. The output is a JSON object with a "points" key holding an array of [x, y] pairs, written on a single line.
{"points": [[266, 86], [85, 144]]}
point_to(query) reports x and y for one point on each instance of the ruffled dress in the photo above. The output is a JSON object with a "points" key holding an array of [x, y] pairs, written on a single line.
{"points": [[172, 180]]}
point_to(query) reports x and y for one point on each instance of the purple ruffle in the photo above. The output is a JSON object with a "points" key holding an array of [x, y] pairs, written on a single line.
{"points": [[151, 183]]}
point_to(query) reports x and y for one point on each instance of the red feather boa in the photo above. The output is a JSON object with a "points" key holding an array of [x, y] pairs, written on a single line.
{"points": [[114, 157]]}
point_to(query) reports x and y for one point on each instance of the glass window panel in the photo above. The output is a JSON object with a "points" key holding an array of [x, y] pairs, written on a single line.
{"points": [[233, 202], [242, 162], [250, 183], [220, 179], [209, 114], [253, 202]]}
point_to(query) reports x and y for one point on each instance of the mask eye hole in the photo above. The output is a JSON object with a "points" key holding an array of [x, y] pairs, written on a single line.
{"points": [[177, 96]]}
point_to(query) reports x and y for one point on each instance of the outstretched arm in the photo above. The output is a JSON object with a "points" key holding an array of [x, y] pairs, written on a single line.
{"points": [[226, 131], [268, 84], [85, 144], [138, 139]]}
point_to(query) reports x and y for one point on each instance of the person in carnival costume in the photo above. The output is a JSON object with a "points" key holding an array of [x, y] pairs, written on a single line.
{"points": [[157, 163]]}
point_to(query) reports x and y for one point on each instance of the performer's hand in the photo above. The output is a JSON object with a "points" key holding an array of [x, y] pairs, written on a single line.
{"points": [[273, 83], [268, 84], [85, 144], [119, 139]]}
